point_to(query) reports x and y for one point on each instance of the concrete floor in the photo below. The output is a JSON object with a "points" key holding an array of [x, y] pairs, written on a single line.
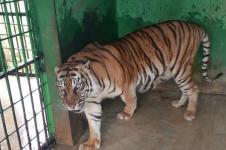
{"points": [[156, 125]]}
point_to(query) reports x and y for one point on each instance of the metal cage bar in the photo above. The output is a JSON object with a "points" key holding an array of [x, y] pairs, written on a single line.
{"points": [[4, 126], [26, 70]]}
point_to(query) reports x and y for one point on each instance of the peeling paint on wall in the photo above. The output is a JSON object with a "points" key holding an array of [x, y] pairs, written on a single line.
{"points": [[156, 11], [84, 21]]}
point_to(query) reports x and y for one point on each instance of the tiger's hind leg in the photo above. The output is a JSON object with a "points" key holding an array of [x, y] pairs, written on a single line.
{"points": [[189, 92], [192, 103], [130, 99]]}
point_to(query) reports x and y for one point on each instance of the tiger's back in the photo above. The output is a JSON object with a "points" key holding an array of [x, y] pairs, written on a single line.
{"points": [[144, 55]]}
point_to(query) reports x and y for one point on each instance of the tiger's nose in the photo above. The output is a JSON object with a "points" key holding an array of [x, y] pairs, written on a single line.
{"points": [[71, 104], [68, 102]]}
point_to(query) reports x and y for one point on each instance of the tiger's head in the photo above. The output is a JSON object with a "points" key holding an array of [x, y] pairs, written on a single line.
{"points": [[74, 85]]}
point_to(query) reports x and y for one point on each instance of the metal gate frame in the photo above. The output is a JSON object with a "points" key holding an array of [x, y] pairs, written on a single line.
{"points": [[28, 65]]}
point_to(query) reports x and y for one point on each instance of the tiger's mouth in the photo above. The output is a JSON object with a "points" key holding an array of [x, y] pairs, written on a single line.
{"points": [[77, 111], [78, 108]]}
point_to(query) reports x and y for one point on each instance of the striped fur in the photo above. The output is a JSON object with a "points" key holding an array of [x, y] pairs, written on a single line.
{"points": [[137, 62]]}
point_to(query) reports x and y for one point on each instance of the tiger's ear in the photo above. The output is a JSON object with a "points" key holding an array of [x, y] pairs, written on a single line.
{"points": [[56, 69], [87, 63]]}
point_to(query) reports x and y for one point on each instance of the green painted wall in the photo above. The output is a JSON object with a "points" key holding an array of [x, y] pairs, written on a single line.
{"points": [[45, 27], [211, 14], [84, 21]]}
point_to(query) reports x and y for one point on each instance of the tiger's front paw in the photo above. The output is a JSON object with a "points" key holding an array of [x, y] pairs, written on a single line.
{"points": [[189, 115], [177, 103], [124, 115], [90, 145], [87, 147]]}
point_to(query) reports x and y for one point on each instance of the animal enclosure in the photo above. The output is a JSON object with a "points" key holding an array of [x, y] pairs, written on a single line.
{"points": [[38, 35]]}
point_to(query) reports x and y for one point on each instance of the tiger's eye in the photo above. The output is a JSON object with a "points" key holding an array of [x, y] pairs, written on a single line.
{"points": [[73, 82]]}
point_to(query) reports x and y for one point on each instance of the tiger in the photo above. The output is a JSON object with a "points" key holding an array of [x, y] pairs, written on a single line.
{"points": [[133, 64]]}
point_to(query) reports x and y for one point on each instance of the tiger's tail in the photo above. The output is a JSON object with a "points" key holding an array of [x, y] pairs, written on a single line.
{"points": [[206, 55]]}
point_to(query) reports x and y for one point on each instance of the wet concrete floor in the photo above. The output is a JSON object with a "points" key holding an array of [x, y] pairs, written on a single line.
{"points": [[157, 125]]}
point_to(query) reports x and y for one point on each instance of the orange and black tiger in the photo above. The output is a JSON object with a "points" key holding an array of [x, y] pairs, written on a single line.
{"points": [[137, 62]]}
